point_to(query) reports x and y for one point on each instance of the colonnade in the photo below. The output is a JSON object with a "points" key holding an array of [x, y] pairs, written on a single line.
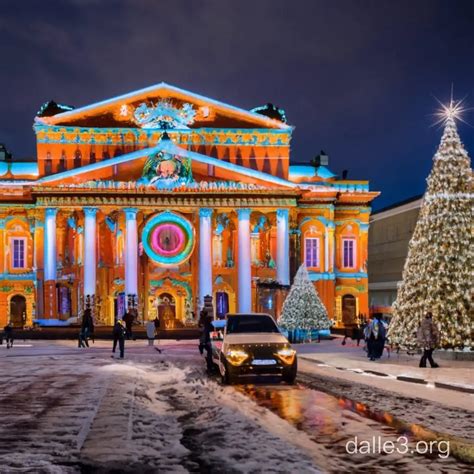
{"points": [[244, 268]]}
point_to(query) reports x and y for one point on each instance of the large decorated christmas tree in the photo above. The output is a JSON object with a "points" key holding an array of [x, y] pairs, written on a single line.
{"points": [[437, 276], [302, 308]]}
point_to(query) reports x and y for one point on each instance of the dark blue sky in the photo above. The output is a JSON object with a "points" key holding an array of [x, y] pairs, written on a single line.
{"points": [[356, 78]]}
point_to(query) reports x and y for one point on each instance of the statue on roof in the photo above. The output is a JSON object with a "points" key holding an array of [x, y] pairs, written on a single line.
{"points": [[164, 115], [271, 111]]}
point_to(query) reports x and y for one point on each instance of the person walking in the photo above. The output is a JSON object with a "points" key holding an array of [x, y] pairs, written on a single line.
{"points": [[156, 322], [86, 327], [428, 338], [119, 333], [8, 330], [375, 335], [150, 332], [128, 319], [205, 322]]}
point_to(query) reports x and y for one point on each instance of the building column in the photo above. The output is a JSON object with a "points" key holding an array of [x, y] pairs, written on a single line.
{"points": [[363, 246], [50, 263], [326, 249], [90, 250], [131, 254], [205, 254], [244, 264], [283, 247], [331, 247]]}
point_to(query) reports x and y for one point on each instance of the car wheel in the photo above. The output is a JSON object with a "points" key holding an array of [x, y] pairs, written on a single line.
{"points": [[227, 378], [289, 375]]}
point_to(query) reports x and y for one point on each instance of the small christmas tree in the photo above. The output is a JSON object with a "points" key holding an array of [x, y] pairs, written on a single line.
{"points": [[437, 272], [302, 308]]}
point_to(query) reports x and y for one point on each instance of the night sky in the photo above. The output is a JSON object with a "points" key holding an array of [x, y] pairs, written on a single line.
{"points": [[356, 78]]}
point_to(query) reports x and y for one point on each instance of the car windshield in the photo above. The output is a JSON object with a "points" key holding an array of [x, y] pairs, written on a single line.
{"points": [[251, 323]]}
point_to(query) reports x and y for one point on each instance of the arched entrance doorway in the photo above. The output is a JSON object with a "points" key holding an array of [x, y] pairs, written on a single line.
{"points": [[167, 311], [348, 310], [18, 311]]}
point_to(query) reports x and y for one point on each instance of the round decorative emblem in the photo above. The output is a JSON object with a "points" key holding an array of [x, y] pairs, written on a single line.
{"points": [[168, 238]]}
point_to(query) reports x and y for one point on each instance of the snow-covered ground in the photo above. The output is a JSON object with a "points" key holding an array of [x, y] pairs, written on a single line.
{"points": [[69, 410]]}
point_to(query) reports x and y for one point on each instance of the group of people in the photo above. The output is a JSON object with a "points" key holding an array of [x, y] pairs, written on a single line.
{"points": [[8, 334], [122, 330], [375, 335]]}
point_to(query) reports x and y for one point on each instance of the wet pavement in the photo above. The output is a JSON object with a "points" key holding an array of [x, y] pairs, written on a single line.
{"points": [[82, 411], [333, 422]]}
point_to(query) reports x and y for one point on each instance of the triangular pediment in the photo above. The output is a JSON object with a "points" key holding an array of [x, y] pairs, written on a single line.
{"points": [[131, 168], [190, 110]]}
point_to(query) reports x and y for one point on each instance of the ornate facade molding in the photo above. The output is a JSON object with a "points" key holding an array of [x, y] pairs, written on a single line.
{"points": [[138, 136], [163, 202]]}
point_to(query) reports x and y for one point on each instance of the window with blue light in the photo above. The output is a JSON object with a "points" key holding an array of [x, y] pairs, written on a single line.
{"points": [[348, 253], [311, 251], [18, 253]]}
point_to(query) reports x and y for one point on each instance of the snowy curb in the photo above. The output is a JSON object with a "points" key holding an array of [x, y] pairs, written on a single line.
{"points": [[458, 388], [402, 378]]}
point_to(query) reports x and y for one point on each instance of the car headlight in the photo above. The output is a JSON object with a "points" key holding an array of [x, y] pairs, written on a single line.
{"points": [[236, 357], [286, 355]]}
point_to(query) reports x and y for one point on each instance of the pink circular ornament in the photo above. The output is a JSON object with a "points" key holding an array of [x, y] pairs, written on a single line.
{"points": [[175, 243]]}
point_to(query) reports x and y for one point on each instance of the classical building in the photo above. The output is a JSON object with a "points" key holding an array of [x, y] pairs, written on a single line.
{"points": [[391, 229], [156, 198]]}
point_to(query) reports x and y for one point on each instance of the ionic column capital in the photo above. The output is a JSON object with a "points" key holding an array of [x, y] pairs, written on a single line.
{"points": [[130, 213], [90, 211], [205, 212], [51, 211]]}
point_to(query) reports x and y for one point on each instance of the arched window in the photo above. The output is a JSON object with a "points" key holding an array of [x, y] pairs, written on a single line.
{"points": [[348, 252], [62, 162], [312, 246], [77, 159], [311, 251], [48, 164], [18, 252]]}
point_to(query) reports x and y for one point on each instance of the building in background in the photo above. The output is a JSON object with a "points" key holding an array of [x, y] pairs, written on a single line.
{"points": [[390, 232], [154, 199]]}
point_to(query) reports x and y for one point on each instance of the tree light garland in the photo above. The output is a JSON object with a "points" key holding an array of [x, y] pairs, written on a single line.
{"points": [[437, 276]]}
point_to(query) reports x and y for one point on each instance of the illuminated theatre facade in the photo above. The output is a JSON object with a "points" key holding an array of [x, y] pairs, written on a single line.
{"points": [[157, 198]]}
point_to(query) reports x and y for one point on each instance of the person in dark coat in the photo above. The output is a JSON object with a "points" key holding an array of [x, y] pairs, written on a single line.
{"points": [[128, 320], [428, 338], [86, 328], [119, 333], [8, 330], [376, 335], [205, 322], [157, 328]]}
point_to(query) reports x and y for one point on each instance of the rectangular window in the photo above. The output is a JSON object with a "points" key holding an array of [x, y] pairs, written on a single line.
{"points": [[18, 253], [311, 252], [348, 255]]}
